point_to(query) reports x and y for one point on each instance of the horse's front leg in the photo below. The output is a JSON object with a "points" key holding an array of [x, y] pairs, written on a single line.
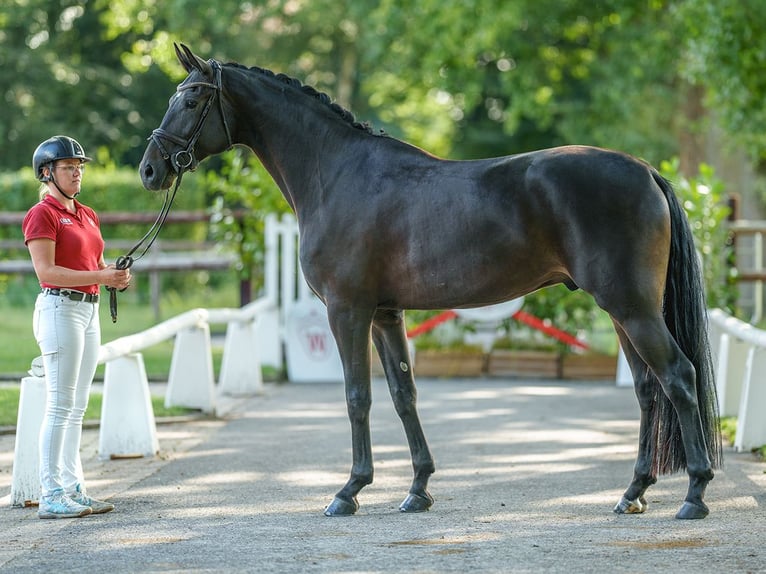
{"points": [[351, 328], [390, 339]]}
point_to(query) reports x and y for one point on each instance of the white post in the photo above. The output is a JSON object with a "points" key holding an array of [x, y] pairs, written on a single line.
{"points": [[751, 424], [25, 488], [191, 382], [288, 265], [127, 418], [241, 365], [757, 285], [271, 271], [624, 375], [269, 334], [730, 373]]}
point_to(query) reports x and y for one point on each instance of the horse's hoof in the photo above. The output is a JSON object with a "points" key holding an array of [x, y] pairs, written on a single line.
{"points": [[340, 507], [416, 503], [692, 511], [626, 506]]}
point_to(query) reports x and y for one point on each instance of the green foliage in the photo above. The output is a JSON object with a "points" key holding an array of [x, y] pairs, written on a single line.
{"points": [[704, 200], [728, 429], [526, 75], [242, 194], [461, 79], [60, 74], [726, 53], [574, 312], [464, 79], [105, 188]]}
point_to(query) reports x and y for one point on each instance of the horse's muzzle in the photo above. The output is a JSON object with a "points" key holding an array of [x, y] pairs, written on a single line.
{"points": [[155, 179]]}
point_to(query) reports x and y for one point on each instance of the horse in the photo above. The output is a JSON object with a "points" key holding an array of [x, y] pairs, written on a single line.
{"points": [[386, 227]]}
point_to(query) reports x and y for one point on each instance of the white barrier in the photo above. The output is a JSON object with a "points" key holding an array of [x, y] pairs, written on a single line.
{"points": [[25, 487], [191, 381], [740, 358], [624, 374], [312, 356], [241, 361], [127, 419]]}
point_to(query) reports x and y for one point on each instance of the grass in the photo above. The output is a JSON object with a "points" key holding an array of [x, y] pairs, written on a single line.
{"points": [[9, 407]]}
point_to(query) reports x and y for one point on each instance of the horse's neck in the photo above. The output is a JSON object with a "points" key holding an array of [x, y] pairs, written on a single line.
{"points": [[297, 143]]}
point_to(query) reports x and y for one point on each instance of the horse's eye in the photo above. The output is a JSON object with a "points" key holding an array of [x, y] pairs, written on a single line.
{"points": [[190, 104]]}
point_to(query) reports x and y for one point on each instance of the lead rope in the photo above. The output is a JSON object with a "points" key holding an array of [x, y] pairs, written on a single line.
{"points": [[127, 260]]}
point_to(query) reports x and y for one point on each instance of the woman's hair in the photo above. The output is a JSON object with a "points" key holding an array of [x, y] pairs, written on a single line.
{"points": [[43, 191]]}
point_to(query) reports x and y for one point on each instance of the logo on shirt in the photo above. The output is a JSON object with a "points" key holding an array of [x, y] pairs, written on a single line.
{"points": [[65, 221]]}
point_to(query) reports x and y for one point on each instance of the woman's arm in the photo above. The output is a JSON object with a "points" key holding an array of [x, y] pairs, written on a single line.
{"points": [[43, 252]]}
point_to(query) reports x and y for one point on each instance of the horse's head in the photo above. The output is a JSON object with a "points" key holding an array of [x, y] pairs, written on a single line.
{"points": [[188, 132]]}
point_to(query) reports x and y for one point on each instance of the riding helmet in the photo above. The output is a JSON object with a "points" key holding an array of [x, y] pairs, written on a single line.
{"points": [[53, 149]]}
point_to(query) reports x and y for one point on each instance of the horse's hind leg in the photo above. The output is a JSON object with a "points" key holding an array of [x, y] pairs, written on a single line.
{"points": [[388, 333], [633, 500], [676, 375]]}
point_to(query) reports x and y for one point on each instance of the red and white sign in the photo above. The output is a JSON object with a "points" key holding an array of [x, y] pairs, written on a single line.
{"points": [[312, 356]]}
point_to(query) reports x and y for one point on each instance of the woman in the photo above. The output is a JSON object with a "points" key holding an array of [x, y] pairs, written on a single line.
{"points": [[65, 243]]}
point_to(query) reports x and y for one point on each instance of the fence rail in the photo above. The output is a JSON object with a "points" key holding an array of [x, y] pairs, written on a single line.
{"points": [[740, 353]]}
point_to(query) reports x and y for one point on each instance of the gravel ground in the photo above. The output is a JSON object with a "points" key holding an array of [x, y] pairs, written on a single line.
{"points": [[527, 475]]}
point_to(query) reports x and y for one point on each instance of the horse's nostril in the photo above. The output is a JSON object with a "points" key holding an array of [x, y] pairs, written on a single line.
{"points": [[148, 171]]}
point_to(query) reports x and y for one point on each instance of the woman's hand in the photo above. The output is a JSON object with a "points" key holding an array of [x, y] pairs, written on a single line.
{"points": [[116, 278]]}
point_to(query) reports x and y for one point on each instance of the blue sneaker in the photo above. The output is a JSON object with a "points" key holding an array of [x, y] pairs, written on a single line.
{"points": [[59, 505], [96, 506]]}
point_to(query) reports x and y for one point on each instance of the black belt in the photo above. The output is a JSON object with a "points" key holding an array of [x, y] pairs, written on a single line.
{"points": [[73, 295]]}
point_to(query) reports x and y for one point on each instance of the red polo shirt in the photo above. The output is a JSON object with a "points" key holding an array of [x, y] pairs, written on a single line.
{"points": [[79, 244]]}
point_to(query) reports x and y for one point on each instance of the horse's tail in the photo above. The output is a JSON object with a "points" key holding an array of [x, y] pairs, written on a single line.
{"points": [[686, 317]]}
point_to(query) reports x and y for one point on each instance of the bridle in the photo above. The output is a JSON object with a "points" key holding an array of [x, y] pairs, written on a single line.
{"points": [[182, 161]]}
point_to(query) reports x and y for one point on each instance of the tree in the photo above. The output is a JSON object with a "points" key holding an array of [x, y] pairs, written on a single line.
{"points": [[533, 73], [725, 54]]}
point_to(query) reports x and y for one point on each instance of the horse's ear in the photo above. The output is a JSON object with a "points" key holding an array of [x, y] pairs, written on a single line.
{"points": [[182, 58], [190, 61]]}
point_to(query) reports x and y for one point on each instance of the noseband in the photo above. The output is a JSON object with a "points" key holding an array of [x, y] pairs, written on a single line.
{"points": [[184, 160]]}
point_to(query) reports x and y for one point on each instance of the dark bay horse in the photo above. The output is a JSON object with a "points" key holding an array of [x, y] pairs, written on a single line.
{"points": [[384, 227]]}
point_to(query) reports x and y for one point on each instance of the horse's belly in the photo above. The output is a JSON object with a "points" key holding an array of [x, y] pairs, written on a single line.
{"points": [[458, 283]]}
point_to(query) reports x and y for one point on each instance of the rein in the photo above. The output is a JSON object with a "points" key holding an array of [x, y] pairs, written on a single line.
{"points": [[126, 261], [182, 161]]}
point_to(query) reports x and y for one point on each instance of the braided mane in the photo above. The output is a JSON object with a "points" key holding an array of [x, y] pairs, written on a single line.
{"points": [[312, 92]]}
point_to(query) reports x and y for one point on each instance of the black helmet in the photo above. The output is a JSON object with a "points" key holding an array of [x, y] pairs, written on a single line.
{"points": [[53, 149]]}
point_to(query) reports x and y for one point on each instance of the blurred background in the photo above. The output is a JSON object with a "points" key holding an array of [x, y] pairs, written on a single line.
{"points": [[679, 84]]}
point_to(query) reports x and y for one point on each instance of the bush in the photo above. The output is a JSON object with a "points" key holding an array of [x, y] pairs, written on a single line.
{"points": [[704, 201]]}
